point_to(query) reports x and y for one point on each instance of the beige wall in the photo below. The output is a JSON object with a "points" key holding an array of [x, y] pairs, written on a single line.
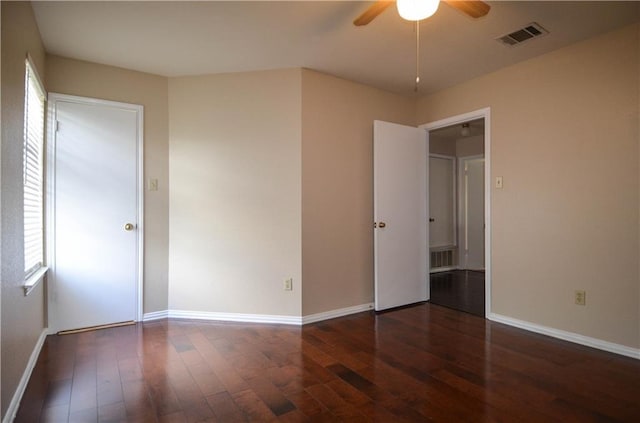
{"points": [[565, 139], [68, 76], [22, 317], [235, 165], [337, 187]]}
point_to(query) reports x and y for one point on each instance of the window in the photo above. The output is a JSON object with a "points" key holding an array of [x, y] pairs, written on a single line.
{"points": [[33, 166]]}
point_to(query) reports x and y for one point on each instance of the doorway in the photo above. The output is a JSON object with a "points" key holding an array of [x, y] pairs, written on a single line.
{"points": [[459, 204], [94, 212]]}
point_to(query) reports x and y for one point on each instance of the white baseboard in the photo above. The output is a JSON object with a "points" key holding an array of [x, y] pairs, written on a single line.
{"points": [[163, 314], [567, 336], [256, 318], [24, 380], [332, 314], [234, 317]]}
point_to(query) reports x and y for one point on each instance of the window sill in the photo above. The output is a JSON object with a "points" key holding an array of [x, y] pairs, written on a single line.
{"points": [[33, 280]]}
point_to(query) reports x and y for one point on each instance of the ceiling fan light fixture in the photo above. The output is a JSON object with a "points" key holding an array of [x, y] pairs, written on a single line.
{"points": [[416, 10], [465, 132]]}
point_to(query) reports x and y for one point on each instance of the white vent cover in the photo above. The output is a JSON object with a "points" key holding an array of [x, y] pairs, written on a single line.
{"points": [[529, 32], [443, 259]]}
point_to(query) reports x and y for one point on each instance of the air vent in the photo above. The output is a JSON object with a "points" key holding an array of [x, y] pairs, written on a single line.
{"points": [[529, 32], [443, 259]]}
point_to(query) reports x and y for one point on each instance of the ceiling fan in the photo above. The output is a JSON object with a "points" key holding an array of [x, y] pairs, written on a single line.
{"points": [[417, 10], [473, 8]]}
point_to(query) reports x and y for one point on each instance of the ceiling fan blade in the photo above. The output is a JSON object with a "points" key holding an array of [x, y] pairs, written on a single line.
{"points": [[473, 8], [371, 13]]}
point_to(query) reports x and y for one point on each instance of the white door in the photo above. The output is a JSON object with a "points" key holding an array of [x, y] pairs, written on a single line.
{"points": [[400, 182], [442, 229], [94, 168], [473, 213]]}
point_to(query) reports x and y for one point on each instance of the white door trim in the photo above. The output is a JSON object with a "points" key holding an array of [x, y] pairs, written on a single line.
{"points": [[53, 98], [462, 194], [459, 119]]}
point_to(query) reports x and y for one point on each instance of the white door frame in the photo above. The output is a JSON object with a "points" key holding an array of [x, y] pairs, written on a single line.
{"points": [[459, 119], [462, 193], [53, 98]]}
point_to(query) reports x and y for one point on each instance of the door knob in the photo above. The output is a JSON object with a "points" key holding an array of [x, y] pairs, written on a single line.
{"points": [[128, 226], [431, 219], [382, 225]]}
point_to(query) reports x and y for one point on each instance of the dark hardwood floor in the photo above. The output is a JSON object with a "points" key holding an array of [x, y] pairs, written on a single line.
{"points": [[418, 364], [460, 290]]}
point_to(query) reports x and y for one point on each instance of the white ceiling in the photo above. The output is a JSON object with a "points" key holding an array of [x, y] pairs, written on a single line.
{"points": [[190, 38]]}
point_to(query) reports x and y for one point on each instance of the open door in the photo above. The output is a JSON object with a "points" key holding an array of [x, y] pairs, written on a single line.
{"points": [[401, 234]]}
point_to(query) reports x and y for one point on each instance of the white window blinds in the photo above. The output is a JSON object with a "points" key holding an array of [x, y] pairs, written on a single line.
{"points": [[33, 165]]}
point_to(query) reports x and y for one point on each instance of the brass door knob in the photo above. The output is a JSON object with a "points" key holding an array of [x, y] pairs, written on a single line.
{"points": [[382, 225], [129, 226]]}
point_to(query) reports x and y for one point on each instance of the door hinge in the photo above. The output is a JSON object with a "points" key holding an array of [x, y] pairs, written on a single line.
{"points": [[57, 125]]}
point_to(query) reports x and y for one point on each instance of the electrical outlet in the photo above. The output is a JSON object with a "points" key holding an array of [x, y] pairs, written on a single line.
{"points": [[581, 297], [288, 284]]}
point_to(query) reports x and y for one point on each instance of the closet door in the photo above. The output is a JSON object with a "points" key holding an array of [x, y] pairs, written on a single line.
{"points": [[96, 212]]}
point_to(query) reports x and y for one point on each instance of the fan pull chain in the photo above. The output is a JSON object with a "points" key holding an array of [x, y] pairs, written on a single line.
{"points": [[417, 55]]}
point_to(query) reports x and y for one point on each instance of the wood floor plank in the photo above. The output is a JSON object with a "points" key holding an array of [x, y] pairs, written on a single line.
{"points": [[35, 395], [459, 289], [55, 414], [108, 385], [250, 365], [290, 378], [418, 364], [336, 405], [307, 404], [111, 413], [84, 393], [162, 395], [271, 395], [174, 417], [88, 415], [199, 411], [58, 393], [224, 408], [206, 379], [294, 416], [253, 407]]}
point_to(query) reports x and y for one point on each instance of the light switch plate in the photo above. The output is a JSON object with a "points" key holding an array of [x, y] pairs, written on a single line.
{"points": [[498, 182], [288, 284], [153, 184]]}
